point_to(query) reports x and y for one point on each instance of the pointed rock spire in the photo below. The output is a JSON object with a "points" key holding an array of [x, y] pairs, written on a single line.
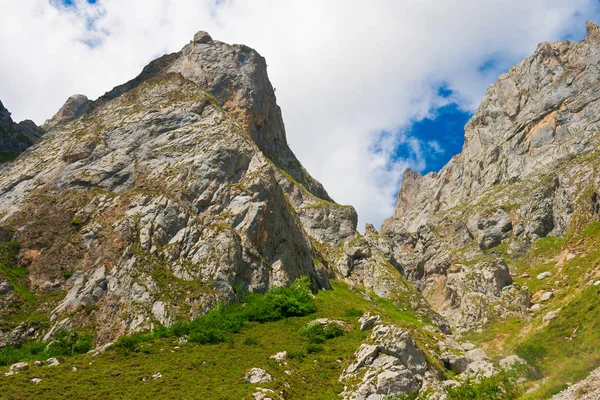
{"points": [[593, 30], [202, 37]]}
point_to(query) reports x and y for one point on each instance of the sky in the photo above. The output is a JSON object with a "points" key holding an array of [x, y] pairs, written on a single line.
{"points": [[367, 87]]}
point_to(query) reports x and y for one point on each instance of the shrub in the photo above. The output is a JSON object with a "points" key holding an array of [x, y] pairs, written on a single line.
{"points": [[220, 324], [295, 355], [66, 343], [76, 222], [498, 387], [317, 332], [313, 348]]}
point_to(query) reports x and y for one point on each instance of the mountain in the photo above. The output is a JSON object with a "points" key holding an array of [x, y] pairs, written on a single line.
{"points": [[15, 138], [167, 228]]}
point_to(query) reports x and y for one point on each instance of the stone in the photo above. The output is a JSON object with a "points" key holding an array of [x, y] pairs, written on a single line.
{"points": [[36, 380], [280, 357], [546, 296], [367, 321], [16, 138], [535, 307], [52, 362], [258, 375], [450, 383], [38, 363], [157, 375], [477, 354], [597, 283], [458, 364], [543, 275], [510, 361], [389, 363], [20, 366], [551, 315]]}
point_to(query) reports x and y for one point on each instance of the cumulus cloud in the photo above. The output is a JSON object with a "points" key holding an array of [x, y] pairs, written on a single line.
{"points": [[351, 76]]}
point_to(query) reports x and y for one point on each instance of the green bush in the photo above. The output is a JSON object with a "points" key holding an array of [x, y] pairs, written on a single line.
{"points": [[312, 348], [65, 343], [131, 343], [317, 332], [498, 387], [76, 222], [221, 323]]}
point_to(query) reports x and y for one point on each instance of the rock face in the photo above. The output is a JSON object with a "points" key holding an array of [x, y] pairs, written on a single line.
{"points": [[527, 170], [15, 138]]}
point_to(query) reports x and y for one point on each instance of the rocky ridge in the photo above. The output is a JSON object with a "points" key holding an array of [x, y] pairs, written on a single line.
{"points": [[527, 170]]}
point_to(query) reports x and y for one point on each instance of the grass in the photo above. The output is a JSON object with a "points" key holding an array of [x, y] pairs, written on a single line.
{"points": [[216, 370]]}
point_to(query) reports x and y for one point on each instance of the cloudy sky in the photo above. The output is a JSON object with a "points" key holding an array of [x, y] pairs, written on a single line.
{"points": [[367, 88]]}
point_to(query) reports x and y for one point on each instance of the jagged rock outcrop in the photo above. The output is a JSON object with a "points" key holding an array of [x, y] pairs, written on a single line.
{"points": [[390, 363], [16, 138], [73, 107], [528, 169]]}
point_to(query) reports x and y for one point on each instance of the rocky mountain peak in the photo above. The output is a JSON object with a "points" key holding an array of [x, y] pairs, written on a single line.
{"points": [[202, 37], [592, 30], [68, 110]]}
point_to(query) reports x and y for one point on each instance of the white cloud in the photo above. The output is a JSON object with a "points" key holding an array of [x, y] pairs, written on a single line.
{"points": [[345, 71]]}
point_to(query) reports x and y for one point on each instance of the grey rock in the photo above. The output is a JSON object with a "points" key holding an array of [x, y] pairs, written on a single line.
{"points": [[389, 363], [543, 275], [36, 380], [546, 296], [258, 375], [367, 321], [551, 315], [20, 366], [510, 361], [527, 154], [52, 362], [68, 110], [458, 364]]}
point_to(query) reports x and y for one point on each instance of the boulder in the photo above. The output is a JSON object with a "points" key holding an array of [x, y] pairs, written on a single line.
{"points": [[258, 375], [367, 321]]}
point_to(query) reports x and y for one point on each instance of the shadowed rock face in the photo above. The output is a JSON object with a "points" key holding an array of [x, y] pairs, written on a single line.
{"points": [[527, 170], [16, 138]]}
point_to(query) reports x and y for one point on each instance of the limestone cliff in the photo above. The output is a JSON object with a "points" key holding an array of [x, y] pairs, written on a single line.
{"points": [[528, 169]]}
